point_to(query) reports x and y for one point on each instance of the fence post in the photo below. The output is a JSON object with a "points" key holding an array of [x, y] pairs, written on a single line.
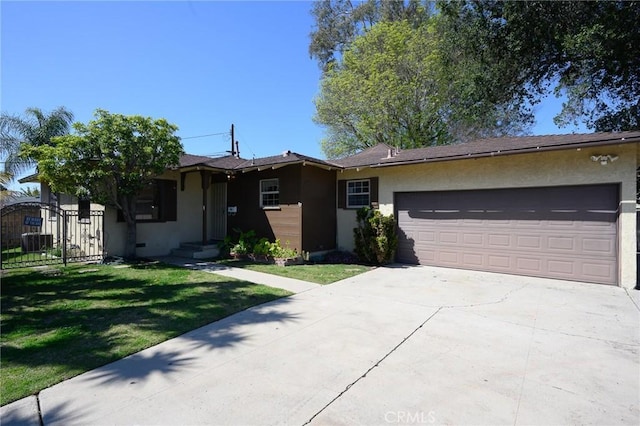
{"points": [[64, 237]]}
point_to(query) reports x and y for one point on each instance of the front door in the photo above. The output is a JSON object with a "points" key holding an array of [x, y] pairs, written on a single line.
{"points": [[219, 211]]}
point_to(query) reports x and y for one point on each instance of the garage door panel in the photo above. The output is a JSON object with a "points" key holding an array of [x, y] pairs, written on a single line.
{"points": [[561, 243], [570, 234], [527, 242], [597, 246], [473, 239], [561, 267], [498, 262]]}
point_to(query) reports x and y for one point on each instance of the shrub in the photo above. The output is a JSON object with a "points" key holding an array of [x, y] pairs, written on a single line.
{"points": [[278, 251], [240, 242], [375, 237], [262, 247]]}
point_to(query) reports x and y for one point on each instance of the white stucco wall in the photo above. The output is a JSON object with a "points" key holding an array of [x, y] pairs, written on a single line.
{"points": [[160, 237], [569, 167]]}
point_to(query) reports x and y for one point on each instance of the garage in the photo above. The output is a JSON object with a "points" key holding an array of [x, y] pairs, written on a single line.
{"points": [[564, 232]]}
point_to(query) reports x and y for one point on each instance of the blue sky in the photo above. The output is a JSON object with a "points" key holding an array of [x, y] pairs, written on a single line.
{"points": [[201, 65]]}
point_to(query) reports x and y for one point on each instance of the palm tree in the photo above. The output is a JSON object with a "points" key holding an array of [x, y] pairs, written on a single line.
{"points": [[5, 193], [34, 128]]}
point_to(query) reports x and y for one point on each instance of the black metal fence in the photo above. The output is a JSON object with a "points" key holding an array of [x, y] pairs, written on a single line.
{"points": [[41, 234]]}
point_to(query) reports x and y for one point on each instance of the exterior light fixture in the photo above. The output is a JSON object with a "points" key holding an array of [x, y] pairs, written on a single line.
{"points": [[604, 159]]}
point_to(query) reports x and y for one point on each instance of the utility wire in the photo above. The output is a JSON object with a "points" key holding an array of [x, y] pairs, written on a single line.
{"points": [[204, 136]]}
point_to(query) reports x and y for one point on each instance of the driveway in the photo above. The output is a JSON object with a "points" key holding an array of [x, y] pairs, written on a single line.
{"points": [[398, 345]]}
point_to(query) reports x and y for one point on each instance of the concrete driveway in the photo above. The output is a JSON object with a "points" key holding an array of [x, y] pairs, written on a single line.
{"points": [[398, 345]]}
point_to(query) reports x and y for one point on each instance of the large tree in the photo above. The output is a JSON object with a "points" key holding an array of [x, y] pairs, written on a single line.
{"points": [[392, 87], [110, 160], [495, 61], [587, 51], [340, 22], [34, 128]]}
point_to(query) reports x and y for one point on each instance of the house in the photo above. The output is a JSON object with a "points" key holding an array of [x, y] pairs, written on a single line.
{"points": [[551, 206], [290, 197], [561, 206]]}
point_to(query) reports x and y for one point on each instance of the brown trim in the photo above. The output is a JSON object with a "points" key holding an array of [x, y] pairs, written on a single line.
{"points": [[373, 190], [342, 194]]}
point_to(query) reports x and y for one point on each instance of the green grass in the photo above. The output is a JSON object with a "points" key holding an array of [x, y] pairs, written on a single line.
{"points": [[58, 324], [314, 273], [14, 258]]}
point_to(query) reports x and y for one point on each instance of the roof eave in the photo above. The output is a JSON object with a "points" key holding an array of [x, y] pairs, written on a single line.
{"points": [[527, 150], [274, 166], [33, 178]]}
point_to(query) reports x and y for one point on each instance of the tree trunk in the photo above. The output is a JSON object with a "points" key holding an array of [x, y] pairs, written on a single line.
{"points": [[129, 213]]}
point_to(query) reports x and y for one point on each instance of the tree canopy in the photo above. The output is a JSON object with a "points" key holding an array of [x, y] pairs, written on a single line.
{"points": [[588, 51], [478, 66], [394, 86], [34, 128], [110, 160]]}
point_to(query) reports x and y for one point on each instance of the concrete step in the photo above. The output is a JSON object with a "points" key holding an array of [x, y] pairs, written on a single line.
{"points": [[202, 252]]}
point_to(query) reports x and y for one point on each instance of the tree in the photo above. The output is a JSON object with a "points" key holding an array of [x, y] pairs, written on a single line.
{"points": [[339, 22], [391, 87], [588, 51], [110, 160], [35, 128], [488, 62]]}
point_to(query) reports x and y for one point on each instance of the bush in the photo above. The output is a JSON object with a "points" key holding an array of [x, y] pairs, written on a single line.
{"points": [[240, 243], [262, 247], [277, 251], [375, 237]]}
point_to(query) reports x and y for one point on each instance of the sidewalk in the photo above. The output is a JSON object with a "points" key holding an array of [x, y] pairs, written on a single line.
{"points": [[290, 284]]}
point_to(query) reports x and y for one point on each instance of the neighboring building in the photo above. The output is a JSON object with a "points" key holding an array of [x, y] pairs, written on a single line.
{"points": [[560, 206]]}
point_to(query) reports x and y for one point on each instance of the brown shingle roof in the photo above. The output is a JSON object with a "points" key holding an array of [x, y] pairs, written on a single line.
{"points": [[285, 158], [378, 156], [188, 160]]}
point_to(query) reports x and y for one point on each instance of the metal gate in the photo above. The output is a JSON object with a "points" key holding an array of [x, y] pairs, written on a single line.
{"points": [[41, 234]]}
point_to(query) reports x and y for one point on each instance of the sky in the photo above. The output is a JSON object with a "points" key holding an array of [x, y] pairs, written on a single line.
{"points": [[202, 65]]}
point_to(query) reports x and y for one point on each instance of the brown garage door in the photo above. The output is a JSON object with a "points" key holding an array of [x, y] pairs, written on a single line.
{"points": [[565, 232]]}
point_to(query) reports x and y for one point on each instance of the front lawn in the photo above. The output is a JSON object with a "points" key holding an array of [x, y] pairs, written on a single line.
{"points": [[314, 273], [59, 322]]}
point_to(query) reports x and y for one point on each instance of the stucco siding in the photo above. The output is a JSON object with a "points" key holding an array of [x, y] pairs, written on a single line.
{"points": [[160, 237], [569, 167]]}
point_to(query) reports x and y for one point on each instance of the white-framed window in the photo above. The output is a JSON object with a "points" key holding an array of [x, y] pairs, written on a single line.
{"points": [[269, 193], [358, 193]]}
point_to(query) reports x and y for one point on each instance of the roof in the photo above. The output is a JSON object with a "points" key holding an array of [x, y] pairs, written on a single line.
{"points": [[284, 159], [32, 178], [384, 155]]}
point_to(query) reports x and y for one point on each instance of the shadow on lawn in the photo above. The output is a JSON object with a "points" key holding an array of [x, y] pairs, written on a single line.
{"points": [[80, 321]]}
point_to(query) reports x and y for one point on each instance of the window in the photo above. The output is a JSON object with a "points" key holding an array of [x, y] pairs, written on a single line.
{"points": [[84, 210], [358, 192], [147, 203], [157, 202], [269, 193]]}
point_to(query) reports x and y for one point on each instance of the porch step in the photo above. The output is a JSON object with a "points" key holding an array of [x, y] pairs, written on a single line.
{"points": [[196, 251]]}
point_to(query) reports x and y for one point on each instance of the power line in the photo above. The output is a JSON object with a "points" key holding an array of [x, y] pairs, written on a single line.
{"points": [[204, 136]]}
